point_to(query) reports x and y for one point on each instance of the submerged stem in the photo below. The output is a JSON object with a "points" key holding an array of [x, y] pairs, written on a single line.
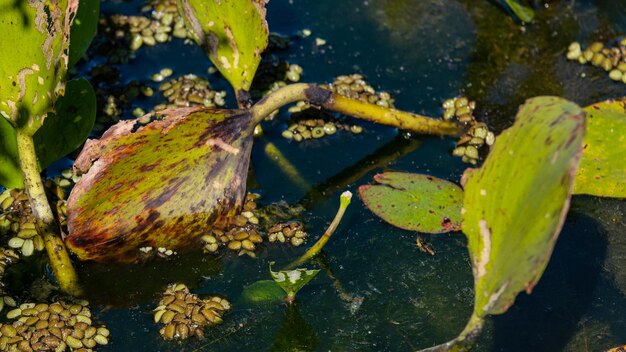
{"points": [[344, 201], [367, 111], [287, 167], [465, 340], [45, 221]]}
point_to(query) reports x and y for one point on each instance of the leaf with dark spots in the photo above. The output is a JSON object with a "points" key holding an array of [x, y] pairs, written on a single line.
{"points": [[35, 42], [232, 33], [415, 202], [515, 204], [602, 170], [163, 185]]}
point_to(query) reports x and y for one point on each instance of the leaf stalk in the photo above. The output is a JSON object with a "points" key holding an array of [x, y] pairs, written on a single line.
{"points": [[338, 103], [45, 222]]}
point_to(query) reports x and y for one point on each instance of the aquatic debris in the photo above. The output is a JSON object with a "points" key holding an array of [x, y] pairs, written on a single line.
{"points": [[244, 234], [477, 135], [424, 246], [59, 326], [183, 314], [611, 59], [288, 232], [190, 90], [7, 257]]}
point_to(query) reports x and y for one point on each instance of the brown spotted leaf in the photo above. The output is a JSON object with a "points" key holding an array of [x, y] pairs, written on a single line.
{"points": [[415, 202], [602, 170], [162, 185]]}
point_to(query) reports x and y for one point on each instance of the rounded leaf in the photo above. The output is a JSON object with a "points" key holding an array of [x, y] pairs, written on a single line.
{"points": [[415, 202]]}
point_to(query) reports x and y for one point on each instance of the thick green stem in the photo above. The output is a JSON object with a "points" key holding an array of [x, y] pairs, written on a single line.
{"points": [[336, 102], [344, 201], [45, 222]]}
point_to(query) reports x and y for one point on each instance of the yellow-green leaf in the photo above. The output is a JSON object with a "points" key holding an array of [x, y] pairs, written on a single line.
{"points": [[415, 202], [35, 44], [515, 204], [232, 33], [602, 170], [161, 185]]}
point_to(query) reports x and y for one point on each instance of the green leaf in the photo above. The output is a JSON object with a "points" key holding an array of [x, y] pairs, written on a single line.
{"points": [[83, 29], [232, 33], [63, 132], [602, 170], [515, 204], [69, 126], [291, 281], [415, 202], [10, 173], [161, 185], [262, 292], [32, 69], [523, 12]]}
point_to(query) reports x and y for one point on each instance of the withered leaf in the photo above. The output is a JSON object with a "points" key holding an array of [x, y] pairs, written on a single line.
{"points": [[162, 185]]}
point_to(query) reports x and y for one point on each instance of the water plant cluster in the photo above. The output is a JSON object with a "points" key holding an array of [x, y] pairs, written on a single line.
{"points": [[174, 180]]}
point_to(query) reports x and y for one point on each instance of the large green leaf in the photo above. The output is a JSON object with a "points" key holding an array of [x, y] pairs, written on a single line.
{"points": [[415, 202], [602, 170], [10, 174], [515, 204], [232, 33], [162, 185], [69, 126], [84, 29], [35, 42]]}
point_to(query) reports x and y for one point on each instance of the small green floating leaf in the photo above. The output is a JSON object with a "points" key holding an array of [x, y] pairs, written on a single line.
{"points": [[262, 292], [602, 170], [232, 33], [291, 281], [515, 204], [69, 126], [415, 202], [161, 185]]}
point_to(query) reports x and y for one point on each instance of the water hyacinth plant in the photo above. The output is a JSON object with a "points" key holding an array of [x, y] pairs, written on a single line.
{"points": [[165, 180]]}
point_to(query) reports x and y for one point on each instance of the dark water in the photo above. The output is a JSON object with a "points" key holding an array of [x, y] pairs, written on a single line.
{"points": [[423, 52]]}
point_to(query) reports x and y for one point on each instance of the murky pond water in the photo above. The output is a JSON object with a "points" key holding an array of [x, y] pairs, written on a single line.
{"points": [[377, 292]]}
